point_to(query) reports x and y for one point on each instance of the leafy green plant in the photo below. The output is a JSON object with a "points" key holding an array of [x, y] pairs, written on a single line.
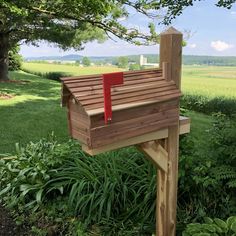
{"points": [[48, 75], [24, 176], [207, 178], [15, 59], [118, 185], [209, 105], [116, 189], [212, 227]]}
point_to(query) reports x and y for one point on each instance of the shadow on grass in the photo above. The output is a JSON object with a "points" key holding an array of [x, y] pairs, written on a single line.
{"points": [[36, 86], [34, 118]]}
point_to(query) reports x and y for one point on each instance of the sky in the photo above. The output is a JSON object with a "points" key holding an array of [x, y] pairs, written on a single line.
{"points": [[213, 32]]}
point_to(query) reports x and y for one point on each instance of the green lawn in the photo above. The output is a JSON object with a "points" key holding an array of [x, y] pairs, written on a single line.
{"points": [[35, 112]]}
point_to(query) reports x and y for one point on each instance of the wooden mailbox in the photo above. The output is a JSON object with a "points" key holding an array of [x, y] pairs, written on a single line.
{"points": [[146, 102], [144, 112]]}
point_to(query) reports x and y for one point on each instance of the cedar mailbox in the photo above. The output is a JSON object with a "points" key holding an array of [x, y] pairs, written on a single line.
{"points": [[110, 111], [146, 101]]}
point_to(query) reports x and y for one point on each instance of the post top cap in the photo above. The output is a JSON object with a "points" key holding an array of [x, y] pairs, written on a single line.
{"points": [[171, 30]]}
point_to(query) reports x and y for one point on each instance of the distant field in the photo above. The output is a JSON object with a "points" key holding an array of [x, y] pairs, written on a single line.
{"points": [[209, 81], [70, 69]]}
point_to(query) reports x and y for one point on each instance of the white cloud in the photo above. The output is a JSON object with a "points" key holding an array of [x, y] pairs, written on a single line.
{"points": [[220, 45], [193, 45]]}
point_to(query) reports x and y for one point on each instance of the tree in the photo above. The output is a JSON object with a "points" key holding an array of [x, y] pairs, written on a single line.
{"points": [[134, 67], [71, 23], [86, 61], [15, 59], [123, 62]]}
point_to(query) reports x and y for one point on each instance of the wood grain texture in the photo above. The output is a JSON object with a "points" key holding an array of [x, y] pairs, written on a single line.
{"points": [[122, 90], [133, 112], [171, 53], [135, 131], [156, 154], [127, 73], [161, 203], [130, 102], [156, 135], [135, 123], [170, 60], [132, 96], [139, 87]]}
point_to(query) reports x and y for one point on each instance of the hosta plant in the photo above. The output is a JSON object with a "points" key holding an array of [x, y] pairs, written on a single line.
{"points": [[212, 227]]}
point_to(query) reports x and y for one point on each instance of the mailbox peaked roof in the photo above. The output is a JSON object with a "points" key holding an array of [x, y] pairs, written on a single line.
{"points": [[139, 88]]}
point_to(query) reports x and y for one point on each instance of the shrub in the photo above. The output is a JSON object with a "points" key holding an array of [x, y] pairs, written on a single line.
{"points": [[23, 177], [212, 227], [115, 191], [86, 61], [209, 105], [207, 179], [49, 75], [115, 187], [15, 59], [134, 67]]}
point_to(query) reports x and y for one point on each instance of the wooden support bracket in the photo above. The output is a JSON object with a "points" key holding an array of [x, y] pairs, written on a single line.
{"points": [[155, 153]]}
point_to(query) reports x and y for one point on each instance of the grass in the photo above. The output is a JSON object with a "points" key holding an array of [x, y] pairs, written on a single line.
{"points": [[210, 81], [69, 69], [35, 112]]}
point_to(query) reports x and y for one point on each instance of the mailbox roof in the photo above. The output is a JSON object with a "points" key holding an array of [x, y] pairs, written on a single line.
{"points": [[139, 88]]}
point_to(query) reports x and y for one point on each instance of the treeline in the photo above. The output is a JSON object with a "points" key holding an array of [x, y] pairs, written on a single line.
{"points": [[153, 58], [209, 60], [187, 60]]}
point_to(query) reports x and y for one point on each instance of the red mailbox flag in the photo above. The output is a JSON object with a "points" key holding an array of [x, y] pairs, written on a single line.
{"points": [[109, 80]]}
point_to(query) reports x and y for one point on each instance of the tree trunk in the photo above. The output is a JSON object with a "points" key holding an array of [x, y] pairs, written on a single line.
{"points": [[4, 48]]}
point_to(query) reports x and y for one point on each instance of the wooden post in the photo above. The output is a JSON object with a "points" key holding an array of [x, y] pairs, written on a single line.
{"points": [[170, 53]]}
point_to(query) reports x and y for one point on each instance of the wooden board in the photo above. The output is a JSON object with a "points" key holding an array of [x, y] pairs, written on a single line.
{"points": [[160, 134], [133, 112], [139, 87]]}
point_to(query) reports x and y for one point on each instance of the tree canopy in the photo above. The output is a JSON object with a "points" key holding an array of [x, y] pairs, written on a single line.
{"points": [[86, 61], [71, 23]]}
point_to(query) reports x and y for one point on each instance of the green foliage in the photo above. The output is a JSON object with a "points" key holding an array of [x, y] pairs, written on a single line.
{"points": [[48, 75], [15, 59], [116, 189], [209, 60], [223, 142], [207, 178], [119, 186], [69, 24], [212, 227], [71, 69], [209, 105], [86, 61], [134, 67], [223, 139], [23, 177], [122, 62]]}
